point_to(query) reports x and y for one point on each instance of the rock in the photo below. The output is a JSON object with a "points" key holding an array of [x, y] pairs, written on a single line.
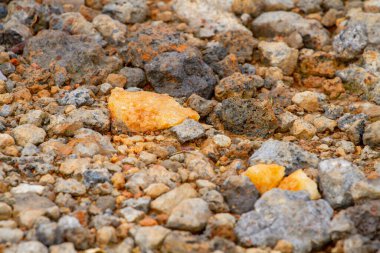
{"points": [[299, 181], [180, 74], [127, 11], [93, 177], [14, 33], [106, 235], [10, 235], [371, 136], [248, 116], [283, 153], [309, 6], [370, 20], [278, 54], [48, 233], [155, 190], [131, 214], [222, 140], [78, 97], [271, 24], [237, 85], [135, 76], [278, 5], [361, 219], [188, 130], [26, 188], [6, 140], [35, 117], [149, 238], [31, 247], [265, 176], [250, 7], [28, 134], [201, 105], [66, 247], [208, 17], [5, 211], [285, 215], [76, 166], [215, 201], [96, 119], [190, 215], [336, 177], [372, 6], [168, 201], [70, 186], [308, 100], [240, 194], [184, 242], [83, 58], [350, 42], [323, 124], [141, 204], [157, 112], [317, 63], [303, 129], [199, 165], [221, 225], [112, 30], [366, 189], [286, 120]]}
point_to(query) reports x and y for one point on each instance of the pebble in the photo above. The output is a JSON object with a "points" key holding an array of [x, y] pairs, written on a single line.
{"points": [[265, 176], [5, 211], [308, 100], [149, 238], [70, 186], [188, 130], [10, 235], [156, 189], [371, 136], [303, 129], [26, 188], [28, 134], [32, 247]]}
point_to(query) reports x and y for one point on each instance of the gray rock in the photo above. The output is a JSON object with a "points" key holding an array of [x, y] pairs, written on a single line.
{"points": [[111, 30], [283, 153], [106, 203], [127, 11], [271, 24], [190, 215], [350, 42], [309, 6], [199, 166], [149, 238], [188, 130], [28, 134], [286, 215], [7, 68], [215, 201], [135, 77], [96, 119], [141, 204], [77, 97], [31, 247], [240, 194], [10, 235], [201, 105], [14, 32], [70, 186], [166, 202], [180, 74], [48, 233], [336, 177], [366, 189], [358, 243], [92, 177], [371, 136], [131, 214], [248, 116], [370, 20], [105, 88], [30, 150], [332, 111]]}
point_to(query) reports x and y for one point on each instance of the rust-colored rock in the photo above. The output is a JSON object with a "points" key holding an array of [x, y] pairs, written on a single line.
{"points": [[147, 111], [318, 64], [265, 176], [299, 181]]}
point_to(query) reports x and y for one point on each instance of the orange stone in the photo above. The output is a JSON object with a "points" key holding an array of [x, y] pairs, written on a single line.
{"points": [[143, 111], [265, 176], [299, 181]]}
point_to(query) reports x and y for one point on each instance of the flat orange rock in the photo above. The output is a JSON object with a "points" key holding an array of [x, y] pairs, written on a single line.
{"points": [[265, 176], [143, 111], [299, 181]]}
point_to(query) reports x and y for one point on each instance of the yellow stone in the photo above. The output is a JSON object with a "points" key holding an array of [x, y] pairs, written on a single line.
{"points": [[143, 111], [298, 181], [265, 176]]}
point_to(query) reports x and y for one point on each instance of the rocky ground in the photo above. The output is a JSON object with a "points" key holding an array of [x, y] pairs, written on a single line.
{"points": [[239, 126]]}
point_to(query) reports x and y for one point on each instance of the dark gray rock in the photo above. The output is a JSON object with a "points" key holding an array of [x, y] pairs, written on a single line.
{"points": [[135, 77], [240, 194], [248, 116], [336, 177], [286, 215], [350, 42], [201, 105], [49, 234], [92, 177], [283, 153], [181, 74]]}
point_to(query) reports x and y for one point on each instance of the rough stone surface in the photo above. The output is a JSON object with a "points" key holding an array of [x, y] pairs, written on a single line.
{"points": [[188, 130]]}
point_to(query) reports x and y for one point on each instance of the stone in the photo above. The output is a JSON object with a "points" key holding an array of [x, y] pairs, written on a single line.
{"points": [[14, 33], [6, 140], [181, 74], [157, 112], [188, 130], [141, 204], [273, 23], [350, 42], [10, 235], [372, 6], [371, 136], [215, 201], [70, 186], [156, 189], [208, 17], [77, 97], [26, 188], [278, 5], [31, 247], [303, 129], [190, 215], [299, 181], [286, 120], [309, 6], [201, 105], [28, 134], [127, 11], [222, 141], [283, 153], [66, 247], [250, 7], [240, 194], [366, 189], [308, 100], [278, 54], [5, 211], [135, 76], [106, 235], [48, 233], [370, 20], [265, 176], [248, 116], [323, 124], [93, 177], [221, 225], [149, 238], [237, 85], [83, 58], [131, 214], [168, 201], [317, 63], [111, 30], [74, 165], [184, 242], [336, 177], [286, 215], [35, 117]]}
